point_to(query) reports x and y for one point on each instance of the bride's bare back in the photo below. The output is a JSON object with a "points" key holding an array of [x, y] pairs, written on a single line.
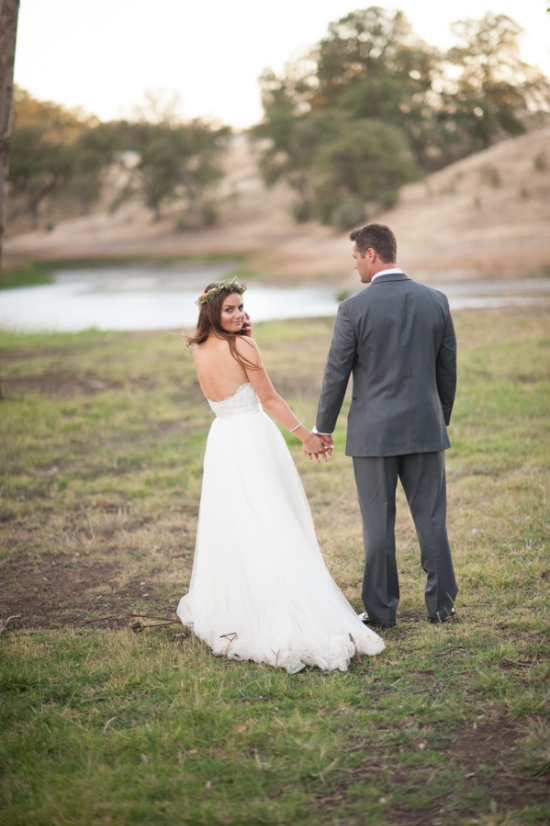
{"points": [[219, 373], [222, 370]]}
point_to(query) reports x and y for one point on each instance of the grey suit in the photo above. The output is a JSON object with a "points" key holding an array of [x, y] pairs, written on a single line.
{"points": [[397, 340]]}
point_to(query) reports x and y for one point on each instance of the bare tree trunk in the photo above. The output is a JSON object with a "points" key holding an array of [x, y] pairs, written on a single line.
{"points": [[9, 10]]}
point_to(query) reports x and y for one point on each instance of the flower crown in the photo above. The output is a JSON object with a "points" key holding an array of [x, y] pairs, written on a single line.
{"points": [[233, 286]]}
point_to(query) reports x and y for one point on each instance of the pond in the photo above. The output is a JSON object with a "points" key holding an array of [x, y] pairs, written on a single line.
{"points": [[145, 298]]}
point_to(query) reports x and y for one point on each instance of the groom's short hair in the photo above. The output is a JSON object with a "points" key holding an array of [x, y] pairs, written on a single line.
{"points": [[379, 237]]}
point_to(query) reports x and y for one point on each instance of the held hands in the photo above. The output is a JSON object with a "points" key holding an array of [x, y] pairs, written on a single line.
{"points": [[316, 446]]}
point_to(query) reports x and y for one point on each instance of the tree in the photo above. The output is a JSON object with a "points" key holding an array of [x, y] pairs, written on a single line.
{"points": [[372, 65], [295, 157], [174, 161], [202, 147], [47, 151], [283, 100], [37, 168], [9, 10], [369, 68], [154, 178], [368, 163], [494, 90], [64, 125], [370, 44], [90, 157]]}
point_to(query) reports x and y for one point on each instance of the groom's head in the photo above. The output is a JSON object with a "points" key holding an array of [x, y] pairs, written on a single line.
{"points": [[374, 249], [378, 237]]}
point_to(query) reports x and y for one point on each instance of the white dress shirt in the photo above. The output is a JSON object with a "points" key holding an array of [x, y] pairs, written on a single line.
{"points": [[391, 271]]}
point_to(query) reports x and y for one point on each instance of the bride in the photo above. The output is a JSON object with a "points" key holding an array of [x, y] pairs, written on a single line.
{"points": [[259, 589]]}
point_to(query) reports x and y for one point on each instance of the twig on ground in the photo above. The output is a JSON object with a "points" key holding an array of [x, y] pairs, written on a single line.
{"points": [[165, 620], [534, 634], [525, 664], [108, 723], [358, 747], [527, 779], [4, 623], [232, 636]]}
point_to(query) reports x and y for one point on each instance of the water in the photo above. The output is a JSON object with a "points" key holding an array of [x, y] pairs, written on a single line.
{"points": [[143, 298]]}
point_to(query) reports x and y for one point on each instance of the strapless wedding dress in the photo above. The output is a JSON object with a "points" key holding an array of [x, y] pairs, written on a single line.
{"points": [[260, 589]]}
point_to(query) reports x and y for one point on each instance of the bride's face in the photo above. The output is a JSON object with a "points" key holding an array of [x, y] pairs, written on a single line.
{"points": [[232, 316]]}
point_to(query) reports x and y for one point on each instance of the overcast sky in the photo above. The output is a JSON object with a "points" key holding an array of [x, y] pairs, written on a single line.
{"points": [[102, 55]]}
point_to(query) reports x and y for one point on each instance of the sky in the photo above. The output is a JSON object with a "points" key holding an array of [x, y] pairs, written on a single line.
{"points": [[104, 55]]}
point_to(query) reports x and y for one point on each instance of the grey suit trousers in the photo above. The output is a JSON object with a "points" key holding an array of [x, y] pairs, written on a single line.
{"points": [[423, 478]]}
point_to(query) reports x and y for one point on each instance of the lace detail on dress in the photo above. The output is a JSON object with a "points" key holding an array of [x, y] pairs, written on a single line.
{"points": [[243, 402]]}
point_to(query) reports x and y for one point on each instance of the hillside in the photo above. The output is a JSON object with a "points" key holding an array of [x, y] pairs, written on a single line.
{"points": [[487, 215]]}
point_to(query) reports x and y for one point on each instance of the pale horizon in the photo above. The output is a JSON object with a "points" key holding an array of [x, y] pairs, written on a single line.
{"points": [[209, 56]]}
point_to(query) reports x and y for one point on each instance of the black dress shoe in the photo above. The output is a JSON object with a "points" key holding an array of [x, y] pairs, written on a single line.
{"points": [[451, 615], [366, 620]]}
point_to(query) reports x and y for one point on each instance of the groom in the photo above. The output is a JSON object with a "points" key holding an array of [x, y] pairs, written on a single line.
{"points": [[397, 340]]}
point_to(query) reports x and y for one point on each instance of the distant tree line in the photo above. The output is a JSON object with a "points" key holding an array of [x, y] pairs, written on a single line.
{"points": [[369, 108], [372, 107], [154, 158]]}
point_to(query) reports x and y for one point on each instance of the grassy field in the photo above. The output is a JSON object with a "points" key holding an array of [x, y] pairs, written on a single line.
{"points": [[113, 714]]}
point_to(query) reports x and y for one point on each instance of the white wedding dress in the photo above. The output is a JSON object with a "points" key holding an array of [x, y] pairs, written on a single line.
{"points": [[260, 589]]}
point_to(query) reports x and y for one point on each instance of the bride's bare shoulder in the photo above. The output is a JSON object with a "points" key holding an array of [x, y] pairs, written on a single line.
{"points": [[246, 346], [248, 349], [244, 341]]}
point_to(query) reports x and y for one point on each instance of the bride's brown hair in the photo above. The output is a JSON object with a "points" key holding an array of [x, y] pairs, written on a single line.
{"points": [[210, 322]]}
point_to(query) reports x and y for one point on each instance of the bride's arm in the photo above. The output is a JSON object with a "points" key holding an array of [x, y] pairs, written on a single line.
{"points": [[272, 402]]}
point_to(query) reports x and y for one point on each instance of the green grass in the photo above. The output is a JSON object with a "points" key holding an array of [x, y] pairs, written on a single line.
{"points": [[101, 445], [30, 275]]}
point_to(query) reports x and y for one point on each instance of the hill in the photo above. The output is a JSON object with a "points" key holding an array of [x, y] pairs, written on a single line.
{"points": [[485, 216]]}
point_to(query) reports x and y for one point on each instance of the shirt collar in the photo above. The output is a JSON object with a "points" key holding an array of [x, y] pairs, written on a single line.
{"points": [[392, 271]]}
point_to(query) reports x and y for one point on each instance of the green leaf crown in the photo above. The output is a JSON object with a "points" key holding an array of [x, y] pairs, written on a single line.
{"points": [[233, 286]]}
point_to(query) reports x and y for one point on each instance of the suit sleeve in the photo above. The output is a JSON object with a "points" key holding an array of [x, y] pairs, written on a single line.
{"points": [[446, 369], [340, 361]]}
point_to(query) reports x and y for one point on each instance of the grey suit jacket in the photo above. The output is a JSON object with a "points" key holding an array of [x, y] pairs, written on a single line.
{"points": [[397, 339]]}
